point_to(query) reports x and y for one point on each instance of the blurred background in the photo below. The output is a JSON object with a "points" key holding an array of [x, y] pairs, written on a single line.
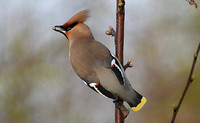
{"points": [[38, 84]]}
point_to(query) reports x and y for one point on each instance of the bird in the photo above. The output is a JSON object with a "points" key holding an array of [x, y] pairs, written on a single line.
{"points": [[95, 64]]}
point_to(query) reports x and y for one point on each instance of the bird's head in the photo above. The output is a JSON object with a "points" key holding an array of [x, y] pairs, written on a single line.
{"points": [[74, 28]]}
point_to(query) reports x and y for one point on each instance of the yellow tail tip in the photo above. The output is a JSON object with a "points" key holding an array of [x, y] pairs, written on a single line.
{"points": [[140, 105]]}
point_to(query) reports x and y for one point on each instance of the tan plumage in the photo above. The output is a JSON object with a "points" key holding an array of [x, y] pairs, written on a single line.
{"points": [[80, 17], [95, 64]]}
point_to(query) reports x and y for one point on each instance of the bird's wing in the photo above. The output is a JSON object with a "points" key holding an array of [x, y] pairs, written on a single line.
{"points": [[107, 59], [117, 68], [96, 86]]}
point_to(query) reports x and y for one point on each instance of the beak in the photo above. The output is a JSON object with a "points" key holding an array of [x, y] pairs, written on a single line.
{"points": [[59, 29]]}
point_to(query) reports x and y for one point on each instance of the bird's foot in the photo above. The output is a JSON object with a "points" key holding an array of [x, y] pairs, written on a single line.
{"points": [[122, 108]]}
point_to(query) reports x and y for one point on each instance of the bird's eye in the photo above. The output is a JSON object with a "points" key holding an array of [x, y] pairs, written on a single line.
{"points": [[68, 28]]}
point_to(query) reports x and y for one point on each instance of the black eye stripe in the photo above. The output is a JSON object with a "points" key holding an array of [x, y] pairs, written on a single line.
{"points": [[68, 28]]}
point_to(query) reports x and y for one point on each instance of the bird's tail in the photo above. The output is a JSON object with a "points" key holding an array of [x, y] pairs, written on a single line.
{"points": [[139, 105], [137, 101]]}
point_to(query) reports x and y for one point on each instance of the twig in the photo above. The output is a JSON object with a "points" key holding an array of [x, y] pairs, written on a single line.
{"points": [[119, 45], [190, 80], [119, 38], [111, 31], [128, 64], [192, 2]]}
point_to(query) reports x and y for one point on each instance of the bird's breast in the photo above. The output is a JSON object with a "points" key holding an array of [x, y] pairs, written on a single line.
{"points": [[81, 61]]}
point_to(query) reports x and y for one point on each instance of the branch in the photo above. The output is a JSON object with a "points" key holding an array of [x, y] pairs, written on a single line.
{"points": [[192, 2], [190, 80], [119, 45], [111, 31], [123, 110], [119, 38], [128, 64]]}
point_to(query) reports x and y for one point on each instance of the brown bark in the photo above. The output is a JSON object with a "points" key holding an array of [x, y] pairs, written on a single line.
{"points": [[119, 45]]}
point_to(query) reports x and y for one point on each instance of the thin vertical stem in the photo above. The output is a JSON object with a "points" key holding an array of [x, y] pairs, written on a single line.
{"points": [[189, 81], [119, 45], [118, 115], [119, 38]]}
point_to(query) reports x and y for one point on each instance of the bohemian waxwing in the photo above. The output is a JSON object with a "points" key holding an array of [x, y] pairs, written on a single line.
{"points": [[96, 65]]}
